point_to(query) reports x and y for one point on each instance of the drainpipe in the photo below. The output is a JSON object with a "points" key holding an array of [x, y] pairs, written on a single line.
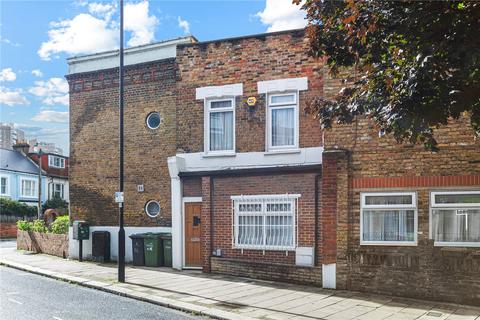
{"points": [[211, 216], [317, 214]]}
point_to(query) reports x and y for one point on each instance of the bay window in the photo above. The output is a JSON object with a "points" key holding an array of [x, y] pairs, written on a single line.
{"points": [[455, 218], [266, 222], [388, 218], [220, 126], [282, 115]]}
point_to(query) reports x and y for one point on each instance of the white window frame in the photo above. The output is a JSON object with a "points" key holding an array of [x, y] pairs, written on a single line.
{"points": [[275, 106], [35, 187], [264, 199], [62, 195], [434, 205], [412, 206], [208, 110], [7, 186], [51, 161]]}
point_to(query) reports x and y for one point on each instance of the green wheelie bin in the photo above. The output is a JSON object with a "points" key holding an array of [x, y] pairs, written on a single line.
{"points": [[167, 249], [153, 249]]}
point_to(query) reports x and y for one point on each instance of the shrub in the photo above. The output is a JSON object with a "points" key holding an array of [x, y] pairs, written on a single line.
{"points": [[38, 226], [60, 225], [10, 207], [24, 225], [55, 203]]}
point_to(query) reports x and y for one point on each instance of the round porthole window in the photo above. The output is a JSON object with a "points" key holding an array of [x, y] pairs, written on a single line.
{"points": [[154, 120], [152, 208]]}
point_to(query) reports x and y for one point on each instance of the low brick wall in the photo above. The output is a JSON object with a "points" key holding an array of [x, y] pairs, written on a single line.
{"points": [[8, 230], [267, 271], [49, 243]]}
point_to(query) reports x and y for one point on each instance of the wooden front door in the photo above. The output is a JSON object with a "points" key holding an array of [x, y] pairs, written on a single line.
{"points": [[193, 257]]}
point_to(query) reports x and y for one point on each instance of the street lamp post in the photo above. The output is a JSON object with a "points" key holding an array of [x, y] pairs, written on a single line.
{"points": [[39, 209], [120, 198]]}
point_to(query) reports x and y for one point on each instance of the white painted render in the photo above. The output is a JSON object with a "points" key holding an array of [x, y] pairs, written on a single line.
{"points": [[281, 85], [141, 54], [229, 90], [87, 244]]}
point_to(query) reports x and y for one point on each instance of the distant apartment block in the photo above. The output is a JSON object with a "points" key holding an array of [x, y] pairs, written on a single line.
{"points": [[10, 135], [46, 147]]}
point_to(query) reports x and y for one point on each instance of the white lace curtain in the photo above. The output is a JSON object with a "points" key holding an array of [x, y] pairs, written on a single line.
{"points": [[221, 131], [283, 127]]}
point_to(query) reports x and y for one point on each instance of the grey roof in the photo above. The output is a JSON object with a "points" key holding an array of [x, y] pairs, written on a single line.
{"points": [[15, 161]]}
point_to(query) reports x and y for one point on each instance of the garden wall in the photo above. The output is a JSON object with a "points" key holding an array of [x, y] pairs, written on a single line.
{"points": [[8, 230], [49, 243]]}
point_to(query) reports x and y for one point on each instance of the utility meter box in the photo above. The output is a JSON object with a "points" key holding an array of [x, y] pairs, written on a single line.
{"points": [[81, 230]]}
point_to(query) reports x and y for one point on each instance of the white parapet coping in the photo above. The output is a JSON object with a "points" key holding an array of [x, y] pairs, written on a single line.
{"points": [[135, 55]]}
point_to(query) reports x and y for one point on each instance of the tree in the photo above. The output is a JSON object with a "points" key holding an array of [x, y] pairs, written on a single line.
{"points": [[418, 61]]}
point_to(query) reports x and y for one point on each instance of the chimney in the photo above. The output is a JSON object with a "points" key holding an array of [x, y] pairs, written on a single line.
{"points": [[22, 147]]}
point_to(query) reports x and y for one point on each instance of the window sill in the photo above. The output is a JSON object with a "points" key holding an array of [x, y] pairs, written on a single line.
{"points": [[219, 155], [457, 245], [389, 243], [285, 151]]}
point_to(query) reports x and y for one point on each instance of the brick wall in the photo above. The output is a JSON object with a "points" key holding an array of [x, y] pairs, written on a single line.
{"points": [[246, 61], [49, 243], [94, 143], [8, 230], [226, 186], [380, 164]]}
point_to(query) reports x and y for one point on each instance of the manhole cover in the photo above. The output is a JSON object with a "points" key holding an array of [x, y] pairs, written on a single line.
{"points": [[434, 314]]}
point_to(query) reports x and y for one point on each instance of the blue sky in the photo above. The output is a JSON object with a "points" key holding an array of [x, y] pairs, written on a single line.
{"points": [[37, 36]]}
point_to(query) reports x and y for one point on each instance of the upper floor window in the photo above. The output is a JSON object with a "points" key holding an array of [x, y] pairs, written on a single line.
{"points": [[56, 162], [220, 125], [455, 218], [4, 186], [388, 218], [28, 188], [282, 117]]}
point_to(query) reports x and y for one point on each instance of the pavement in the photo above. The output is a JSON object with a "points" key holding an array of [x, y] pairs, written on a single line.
{"points": [[28, 296], [225, 297]]}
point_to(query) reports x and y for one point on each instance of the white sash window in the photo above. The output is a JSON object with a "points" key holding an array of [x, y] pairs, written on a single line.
{"points": [[28, 188], [388, 218], [220, 125], [265, 222], [455, 218], [282, 115]]}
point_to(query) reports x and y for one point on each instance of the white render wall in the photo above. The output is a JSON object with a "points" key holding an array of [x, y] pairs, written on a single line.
{"points": [[87, 244]]}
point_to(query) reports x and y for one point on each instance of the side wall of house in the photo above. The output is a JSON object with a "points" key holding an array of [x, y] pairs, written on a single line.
{"points": [[94, 140], [379, 164]]}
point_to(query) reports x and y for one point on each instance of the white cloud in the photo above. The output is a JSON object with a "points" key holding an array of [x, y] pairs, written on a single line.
{"points": [[282, 15], [184, 25], [7, 41], [37, 73], [51, 116], [53, 91], [95, 31], [7, 74], [81, 35], [12, 97], [139, 23]]}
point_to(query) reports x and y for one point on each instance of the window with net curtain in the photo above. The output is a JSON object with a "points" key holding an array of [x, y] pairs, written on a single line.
{"points": [[282, 110], [221, 125], [388, 218], [456, 218]]}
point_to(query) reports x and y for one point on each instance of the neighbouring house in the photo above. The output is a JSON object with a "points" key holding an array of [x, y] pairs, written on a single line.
{"points": [[219, 152], [55, 167], [19, 176]]}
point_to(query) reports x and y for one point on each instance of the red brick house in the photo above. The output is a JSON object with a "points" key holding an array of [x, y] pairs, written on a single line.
{"points": [[56, 171], [220, 153]]}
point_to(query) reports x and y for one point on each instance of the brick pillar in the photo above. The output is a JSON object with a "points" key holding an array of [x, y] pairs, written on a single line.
{"points": [[334, 216], [206, 236]]}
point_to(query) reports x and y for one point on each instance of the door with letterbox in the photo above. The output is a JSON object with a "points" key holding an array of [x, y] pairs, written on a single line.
{"points": [[193, 257]]}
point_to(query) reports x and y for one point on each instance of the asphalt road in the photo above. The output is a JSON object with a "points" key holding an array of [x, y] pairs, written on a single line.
{"points": [[26, 296]]}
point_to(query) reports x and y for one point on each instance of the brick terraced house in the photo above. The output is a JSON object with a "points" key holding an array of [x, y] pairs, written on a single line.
{"points": [[220, 153]]}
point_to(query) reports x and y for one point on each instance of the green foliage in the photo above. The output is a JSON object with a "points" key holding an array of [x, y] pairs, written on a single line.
{"points": [[14, 208], [38, 226], [55, 203], [24, 225], [417, 63], [60, 225]]}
